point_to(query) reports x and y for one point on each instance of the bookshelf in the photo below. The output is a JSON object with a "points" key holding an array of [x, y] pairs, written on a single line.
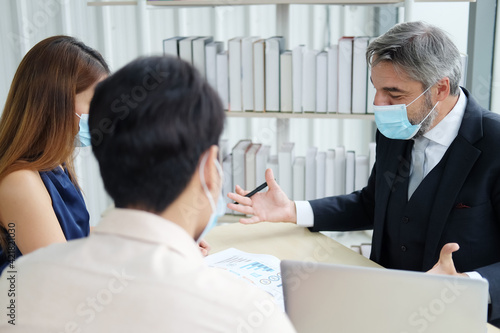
{"points": [[282, 28], [273, 2], [291, 115], [111, 3], [282, 14], [187, 3]]}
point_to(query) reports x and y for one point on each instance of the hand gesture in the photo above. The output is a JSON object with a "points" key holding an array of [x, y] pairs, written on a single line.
{"points": [[271, 206], [445, 265]]}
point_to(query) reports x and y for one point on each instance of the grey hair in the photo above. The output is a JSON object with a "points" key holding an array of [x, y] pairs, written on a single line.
{"points": [[424, 52]]}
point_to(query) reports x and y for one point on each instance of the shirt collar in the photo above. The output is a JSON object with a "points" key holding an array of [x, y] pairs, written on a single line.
{"points": [[147, 227], [447, 129]]}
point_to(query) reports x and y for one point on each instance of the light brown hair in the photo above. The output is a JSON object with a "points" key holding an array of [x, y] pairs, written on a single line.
{"points": [[37, 126]]}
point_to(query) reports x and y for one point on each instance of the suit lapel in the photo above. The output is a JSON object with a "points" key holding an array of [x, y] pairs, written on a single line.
{"points": [[462, 157]]}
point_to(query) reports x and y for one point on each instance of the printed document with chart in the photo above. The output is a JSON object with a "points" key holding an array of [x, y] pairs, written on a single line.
{"points": [[262, 270]]}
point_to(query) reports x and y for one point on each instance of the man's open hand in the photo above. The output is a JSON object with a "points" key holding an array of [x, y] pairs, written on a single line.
{"points": [[271, 206]]}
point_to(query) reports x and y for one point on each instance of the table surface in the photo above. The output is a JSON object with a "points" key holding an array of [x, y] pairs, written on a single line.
{"points": [[287, 241]]}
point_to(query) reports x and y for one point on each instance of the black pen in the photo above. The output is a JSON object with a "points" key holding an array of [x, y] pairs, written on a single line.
{"points": [[258, 189]]}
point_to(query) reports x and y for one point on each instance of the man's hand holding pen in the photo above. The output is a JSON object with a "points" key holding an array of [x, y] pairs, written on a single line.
{"points": [[271, 206]]}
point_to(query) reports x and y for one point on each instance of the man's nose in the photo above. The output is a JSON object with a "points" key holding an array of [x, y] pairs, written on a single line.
{"points": [[381, 99]]}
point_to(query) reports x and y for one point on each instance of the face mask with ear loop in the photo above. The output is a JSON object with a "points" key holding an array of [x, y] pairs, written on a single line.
{"points": [[217, 210], [392, 120], [84, 131]]}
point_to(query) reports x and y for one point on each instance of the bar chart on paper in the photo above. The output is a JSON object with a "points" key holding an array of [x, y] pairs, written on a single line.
{"points": [[261, 270]]}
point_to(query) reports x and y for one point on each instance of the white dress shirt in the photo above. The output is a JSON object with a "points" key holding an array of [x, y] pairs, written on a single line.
{"points": [[136, 272], [442, 135]]}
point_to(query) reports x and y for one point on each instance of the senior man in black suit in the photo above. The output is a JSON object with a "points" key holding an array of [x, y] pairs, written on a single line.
{"points": [[435, 185]]}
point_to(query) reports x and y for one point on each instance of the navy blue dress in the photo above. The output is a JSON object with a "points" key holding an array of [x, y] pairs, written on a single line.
{"points": [[68, 205]]}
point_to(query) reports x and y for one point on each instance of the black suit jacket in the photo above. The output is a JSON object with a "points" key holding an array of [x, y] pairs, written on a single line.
{"points": [[466, 209]]}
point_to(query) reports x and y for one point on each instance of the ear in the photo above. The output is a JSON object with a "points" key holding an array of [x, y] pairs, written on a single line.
{"points": [[212, 177], [443, 89]]}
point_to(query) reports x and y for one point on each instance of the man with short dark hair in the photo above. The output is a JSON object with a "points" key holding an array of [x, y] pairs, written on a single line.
{"points": [[435, 184], [155, 127]]}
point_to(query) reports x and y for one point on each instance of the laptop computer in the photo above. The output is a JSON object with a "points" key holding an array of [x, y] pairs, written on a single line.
{"points": [[348, 299]]}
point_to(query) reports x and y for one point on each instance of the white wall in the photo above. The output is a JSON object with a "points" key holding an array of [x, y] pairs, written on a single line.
{"points": [[122, 33], [495, 89], [453, 17]]}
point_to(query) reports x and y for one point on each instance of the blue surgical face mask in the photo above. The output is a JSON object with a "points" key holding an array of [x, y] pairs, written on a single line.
{"points": [[392, 120], [217, 210], [83, 132]]}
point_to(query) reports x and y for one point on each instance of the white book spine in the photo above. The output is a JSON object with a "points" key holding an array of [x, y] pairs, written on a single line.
{"points": [[370, 89], [330, 173], [340, 170], [350, 171], [227, 164], [311, 173], [261, 163], [333, 66], [247, 72], [286, 82], [239, 169], [199, 54], [167, 48], [211, 50], [285, 162], [361, 175], [299, 181], [222, 79], [186, 49], [272, 74], [321, 82], [272, 163], [239, 152], [320, 174], [235, 100], [259, 88], [309, 81], [359, 73], [250, 182], [171, 46], [345, 75], [297, 60]]}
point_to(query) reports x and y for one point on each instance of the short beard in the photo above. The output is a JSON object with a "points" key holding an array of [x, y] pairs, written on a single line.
{"points": [[426, 125]]}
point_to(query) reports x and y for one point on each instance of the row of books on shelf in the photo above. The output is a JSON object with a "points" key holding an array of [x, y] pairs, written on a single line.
{"points": [[256, 74], [316, 175]]}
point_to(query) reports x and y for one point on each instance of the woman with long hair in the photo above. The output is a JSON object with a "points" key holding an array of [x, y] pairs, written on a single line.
{"points": [[45, 116]]}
